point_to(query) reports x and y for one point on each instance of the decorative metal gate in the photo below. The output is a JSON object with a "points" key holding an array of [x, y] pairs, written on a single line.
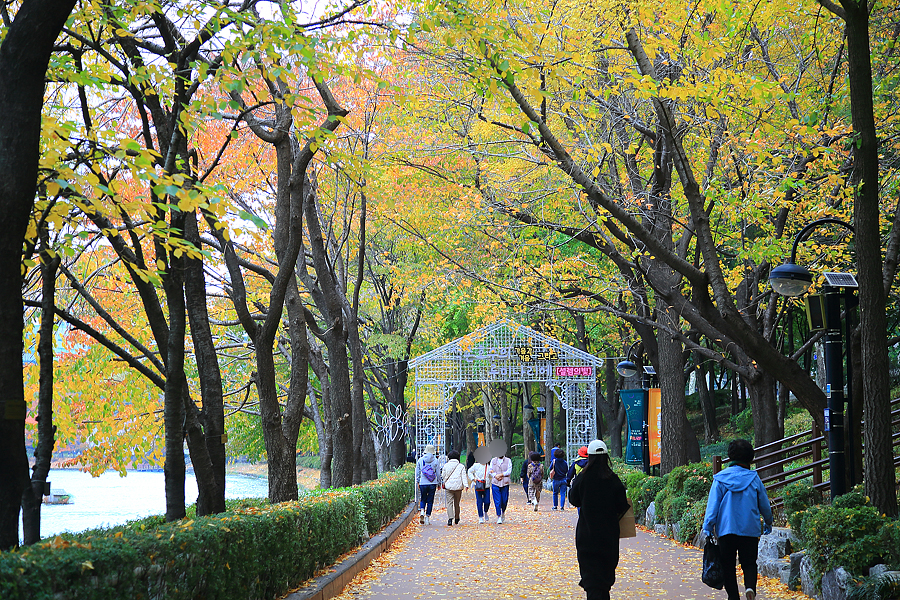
{"points": [[505, 352]]}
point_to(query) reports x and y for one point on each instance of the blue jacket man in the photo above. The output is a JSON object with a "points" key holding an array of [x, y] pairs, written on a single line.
{"points": [[736, 502]]}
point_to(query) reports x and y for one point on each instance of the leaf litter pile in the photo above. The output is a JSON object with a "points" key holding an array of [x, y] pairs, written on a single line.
{"points": [[531, 555]]}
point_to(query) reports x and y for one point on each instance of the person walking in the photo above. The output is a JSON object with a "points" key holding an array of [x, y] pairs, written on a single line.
{"points": [[599, 495], [577, 465], [454, 477], [500, 470], [737, 500], [535, 478], [523, 475], [427, 473], [480, 480], [558, 471]]}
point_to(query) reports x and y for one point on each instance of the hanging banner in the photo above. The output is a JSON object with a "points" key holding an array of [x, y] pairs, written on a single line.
{"points": [[535, 425], [654, 416], [633, 401]]}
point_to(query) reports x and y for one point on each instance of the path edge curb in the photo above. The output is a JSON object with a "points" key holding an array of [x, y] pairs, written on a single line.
{"points": [[333, 583]]}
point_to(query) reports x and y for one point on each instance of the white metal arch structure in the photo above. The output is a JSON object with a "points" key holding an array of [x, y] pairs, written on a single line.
{"points": [[505, 352]]}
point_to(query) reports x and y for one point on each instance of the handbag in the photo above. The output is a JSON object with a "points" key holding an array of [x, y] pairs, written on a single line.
{"points": [[481, 485], [713, 570]]}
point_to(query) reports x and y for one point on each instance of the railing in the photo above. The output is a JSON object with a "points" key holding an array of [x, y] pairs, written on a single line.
{"points": [[807, 445]]}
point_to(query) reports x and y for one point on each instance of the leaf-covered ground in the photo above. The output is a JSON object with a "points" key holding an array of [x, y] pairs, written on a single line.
{"points": [[531, 555]]}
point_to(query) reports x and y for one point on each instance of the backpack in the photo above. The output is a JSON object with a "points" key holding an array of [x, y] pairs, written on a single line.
{"points": [[428, 472], [537, 474]]}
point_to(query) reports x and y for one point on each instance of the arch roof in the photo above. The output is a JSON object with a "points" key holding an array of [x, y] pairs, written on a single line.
{"points": [[504, 351]]}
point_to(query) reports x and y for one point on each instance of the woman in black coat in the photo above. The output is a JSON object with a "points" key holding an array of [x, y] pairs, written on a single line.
{"points": [[600, 496]]}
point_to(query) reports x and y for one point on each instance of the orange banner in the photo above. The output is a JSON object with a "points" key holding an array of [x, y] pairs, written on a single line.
{"points": [[654, 417]]}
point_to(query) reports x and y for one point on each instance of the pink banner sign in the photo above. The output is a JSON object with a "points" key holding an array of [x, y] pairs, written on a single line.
{"points": [[574, 371]]}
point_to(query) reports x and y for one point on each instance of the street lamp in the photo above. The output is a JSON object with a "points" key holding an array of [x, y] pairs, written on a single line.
{"points": [[793, 280]]}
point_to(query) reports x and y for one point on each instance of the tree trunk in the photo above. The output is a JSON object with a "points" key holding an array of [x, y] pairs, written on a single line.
{"points": [[31, 499], [854, 418], [612, 409], [505, 418], [174, 412], [527, 415], [707, 404], [763, 405], [879, 460], [211, 497], [678, 443], [547, 402], [342, 463], [24, 55], [397, 375]]}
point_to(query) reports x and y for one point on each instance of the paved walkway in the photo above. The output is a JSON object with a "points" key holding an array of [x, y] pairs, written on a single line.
{"points": [[531, 555]]}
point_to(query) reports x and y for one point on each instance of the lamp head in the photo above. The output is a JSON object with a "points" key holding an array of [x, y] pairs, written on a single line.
{"points": [[790, 279], [627, 369]]}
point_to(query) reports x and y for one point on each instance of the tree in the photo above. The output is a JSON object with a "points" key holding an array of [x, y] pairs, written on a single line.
{"points": [[876, 272], [24, 55]]}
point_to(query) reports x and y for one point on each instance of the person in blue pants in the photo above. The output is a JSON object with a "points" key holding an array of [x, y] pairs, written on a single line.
{"points": [[480, 478], [427, 477], [500, 471], [559, 468]]}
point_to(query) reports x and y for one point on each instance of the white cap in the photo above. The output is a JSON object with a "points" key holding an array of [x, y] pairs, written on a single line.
{"points": [[597, 447], [429, 449]]}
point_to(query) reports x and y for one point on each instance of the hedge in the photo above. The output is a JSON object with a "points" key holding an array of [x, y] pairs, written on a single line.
{"points": [[849, 533], [253, 551]]}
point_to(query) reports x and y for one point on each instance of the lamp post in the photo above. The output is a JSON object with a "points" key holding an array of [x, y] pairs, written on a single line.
{"points": [[793, 280]]}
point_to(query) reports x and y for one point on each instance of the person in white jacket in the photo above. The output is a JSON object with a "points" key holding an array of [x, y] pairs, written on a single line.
{"points": [[455, 480], [500, 471], [480, 480]]}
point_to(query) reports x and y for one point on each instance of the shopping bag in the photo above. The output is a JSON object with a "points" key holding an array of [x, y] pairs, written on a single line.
{"points": [[626, 523], [713, 569]]}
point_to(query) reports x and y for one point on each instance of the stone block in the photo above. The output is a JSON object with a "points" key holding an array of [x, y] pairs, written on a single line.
{"points": [[674, 530], [834, 584], [650, 516], [777, 568], [661, 529], [776, 544], [700, 540], [878, 570], [807, 580], [795, 559]]}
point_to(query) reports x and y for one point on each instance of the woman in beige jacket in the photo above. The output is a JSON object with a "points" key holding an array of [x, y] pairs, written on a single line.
{"points": [[455, 480]]}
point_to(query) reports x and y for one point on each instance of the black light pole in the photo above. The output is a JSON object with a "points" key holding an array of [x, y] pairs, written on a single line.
{"points": [[834, 389], [793, 280]]}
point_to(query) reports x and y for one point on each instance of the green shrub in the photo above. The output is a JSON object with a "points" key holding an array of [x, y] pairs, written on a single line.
{"points": [[691, 522], [517, 463], [852, 499], [797, 423], [673, 508], [883, 587], [309, 462], [854, 537], [255, 550], [798, 497], [645, 493], [743, 423]]}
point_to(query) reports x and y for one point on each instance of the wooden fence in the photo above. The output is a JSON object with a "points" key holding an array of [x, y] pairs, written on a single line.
{"points": [[809, 449]]}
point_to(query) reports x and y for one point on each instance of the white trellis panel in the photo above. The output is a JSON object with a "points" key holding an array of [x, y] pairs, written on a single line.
{"points": [[505, 352]]}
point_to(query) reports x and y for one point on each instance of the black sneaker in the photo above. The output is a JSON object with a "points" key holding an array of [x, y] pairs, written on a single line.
{"points": [[449, 522], [456, 521]]}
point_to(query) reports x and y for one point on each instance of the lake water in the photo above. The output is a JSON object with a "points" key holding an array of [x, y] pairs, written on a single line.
{"points": [[112, 500]]}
